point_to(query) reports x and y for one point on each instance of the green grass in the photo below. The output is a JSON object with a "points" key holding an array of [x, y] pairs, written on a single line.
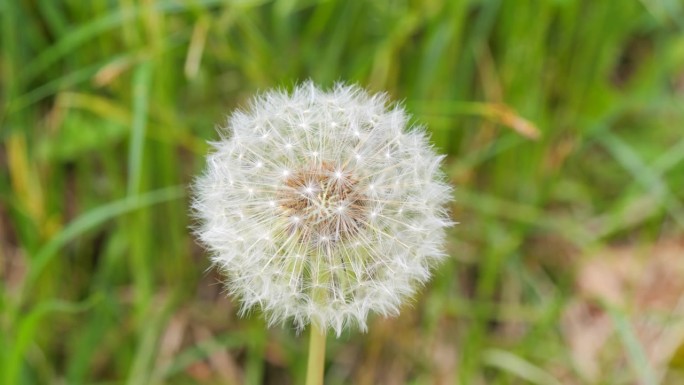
{"points": [[107, 106]]}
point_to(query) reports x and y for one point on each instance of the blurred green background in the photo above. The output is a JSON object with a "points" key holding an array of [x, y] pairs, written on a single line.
{"points": [[564, 125]]}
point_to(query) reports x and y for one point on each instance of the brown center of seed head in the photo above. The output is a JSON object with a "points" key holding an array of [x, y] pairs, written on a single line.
{"points": [[323, 204]]}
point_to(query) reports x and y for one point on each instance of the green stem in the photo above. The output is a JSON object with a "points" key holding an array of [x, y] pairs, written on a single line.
{"points": [[314, 370]]}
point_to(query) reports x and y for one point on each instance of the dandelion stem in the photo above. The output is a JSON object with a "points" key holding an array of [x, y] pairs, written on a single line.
{"points": [[314, 370]]}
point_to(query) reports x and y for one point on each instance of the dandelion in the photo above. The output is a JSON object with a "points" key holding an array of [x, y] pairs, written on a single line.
{"points": [[321, 207]]}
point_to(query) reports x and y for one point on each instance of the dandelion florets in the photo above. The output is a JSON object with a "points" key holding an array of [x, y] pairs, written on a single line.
{"points": [[323, 206]]}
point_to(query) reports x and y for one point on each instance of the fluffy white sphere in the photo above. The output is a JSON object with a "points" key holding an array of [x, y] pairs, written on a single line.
{"points": [[323, 206]]}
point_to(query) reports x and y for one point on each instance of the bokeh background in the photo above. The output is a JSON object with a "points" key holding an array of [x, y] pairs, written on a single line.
{"points": [[563, 121]]}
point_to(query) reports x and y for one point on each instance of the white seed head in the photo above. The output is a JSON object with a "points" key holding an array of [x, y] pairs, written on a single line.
{"points": [[323, 206]]}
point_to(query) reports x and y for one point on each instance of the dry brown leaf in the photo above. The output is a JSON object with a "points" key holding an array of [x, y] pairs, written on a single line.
{"points": [[220, 361], [648, 283]]}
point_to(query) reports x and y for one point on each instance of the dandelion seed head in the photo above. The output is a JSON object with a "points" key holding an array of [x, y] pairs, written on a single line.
{"points": [[323, 206]]}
